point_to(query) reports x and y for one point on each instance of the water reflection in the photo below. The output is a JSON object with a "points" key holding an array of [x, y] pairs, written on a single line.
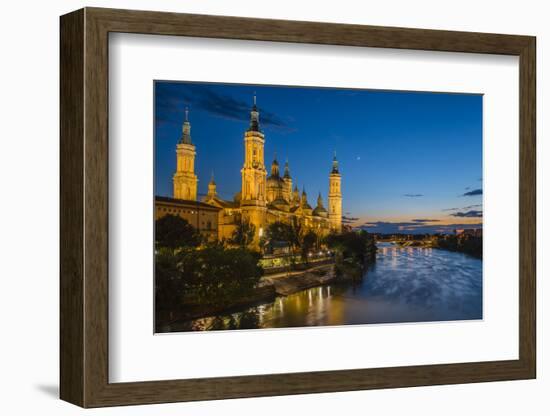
{"points": [[410, 284]]}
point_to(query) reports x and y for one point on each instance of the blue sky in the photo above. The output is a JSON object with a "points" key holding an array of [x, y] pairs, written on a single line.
{"points": [[410, 161]]}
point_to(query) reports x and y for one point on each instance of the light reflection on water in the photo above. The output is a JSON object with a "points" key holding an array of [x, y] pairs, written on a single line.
{"points": [[403, 285]]}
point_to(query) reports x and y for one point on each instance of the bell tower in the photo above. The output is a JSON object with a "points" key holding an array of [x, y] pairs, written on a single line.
{"points": [[185, 181], [253, 173], [211, 188], [335, 197]]}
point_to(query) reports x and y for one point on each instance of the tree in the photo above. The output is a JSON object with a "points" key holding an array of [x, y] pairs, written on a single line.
{"points": [[278, 231], [168, 288], [243, 235], [309, 241], [296, 234], [216, 275], [291, 234], [359, 247], [462, 243], [172, 231]]}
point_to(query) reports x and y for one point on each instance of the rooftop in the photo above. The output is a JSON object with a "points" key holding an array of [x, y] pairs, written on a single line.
{"points": [[186, 203]]}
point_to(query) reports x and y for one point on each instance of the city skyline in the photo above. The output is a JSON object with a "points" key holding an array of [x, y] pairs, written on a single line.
{"points": [[411, 162]]}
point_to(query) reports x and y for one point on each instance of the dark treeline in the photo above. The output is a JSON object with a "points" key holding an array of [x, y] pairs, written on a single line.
{"points": [[193, 277], [354, 251], [464, 243]]}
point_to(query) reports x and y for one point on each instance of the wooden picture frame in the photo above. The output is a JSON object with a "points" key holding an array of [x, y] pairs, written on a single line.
{"points": [[84, 207]]}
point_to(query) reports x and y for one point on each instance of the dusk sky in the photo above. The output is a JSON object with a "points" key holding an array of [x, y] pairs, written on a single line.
{"points": [[410, 161]]}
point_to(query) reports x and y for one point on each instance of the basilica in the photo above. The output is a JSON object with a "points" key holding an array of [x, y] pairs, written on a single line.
{"points": [[263, 199]]}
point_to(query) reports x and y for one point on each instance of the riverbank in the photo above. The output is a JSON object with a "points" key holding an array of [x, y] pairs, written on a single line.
{"points": [[271, 286], [285, 284]]}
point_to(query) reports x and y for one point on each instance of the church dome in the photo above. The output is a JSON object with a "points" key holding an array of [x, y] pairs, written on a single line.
{"points": [[320, 211], [281, 204]]}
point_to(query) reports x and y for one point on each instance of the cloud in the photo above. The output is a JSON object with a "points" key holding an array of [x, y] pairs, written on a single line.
{"points": [[473, 193], [463, 208], [379, 224], [413, 195], [468, 214], [348, 220], [172, 98], [388, 227], [423, 220]]}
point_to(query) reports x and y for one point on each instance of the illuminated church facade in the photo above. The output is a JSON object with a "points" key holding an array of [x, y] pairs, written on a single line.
{"points": [[265, 197]]}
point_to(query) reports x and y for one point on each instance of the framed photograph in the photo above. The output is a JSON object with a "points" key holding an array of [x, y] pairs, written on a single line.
{"points": [[257, 207]]}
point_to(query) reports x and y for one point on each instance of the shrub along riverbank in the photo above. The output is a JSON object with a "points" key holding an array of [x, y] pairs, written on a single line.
{"points": [[198, 282], [194, 278], [354, 252], [468, 244]]}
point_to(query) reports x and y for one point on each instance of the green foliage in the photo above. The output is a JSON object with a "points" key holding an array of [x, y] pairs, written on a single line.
{"points": [[279, 231], [168, 288], [213, 275], [218, 276], [290, 234], [248, 319], [310, 240], [468, 244], [172, 231], [243, 235], [357, 247]]}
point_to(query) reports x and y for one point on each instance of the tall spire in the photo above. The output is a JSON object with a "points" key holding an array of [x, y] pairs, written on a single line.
{"points": [[334, 164], [186, 129], [335, 197], [254, 117], [211, 188], [184, 179], [319, 200], [287, 169], [303, 201], [296, 195]]}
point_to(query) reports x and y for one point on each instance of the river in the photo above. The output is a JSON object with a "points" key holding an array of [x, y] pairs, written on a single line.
{"points": [[412, 284]]}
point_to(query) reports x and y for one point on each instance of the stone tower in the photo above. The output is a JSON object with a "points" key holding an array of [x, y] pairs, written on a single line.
{"points": [[185, 181], [253, 173], [335, 197], [211, 189]]}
